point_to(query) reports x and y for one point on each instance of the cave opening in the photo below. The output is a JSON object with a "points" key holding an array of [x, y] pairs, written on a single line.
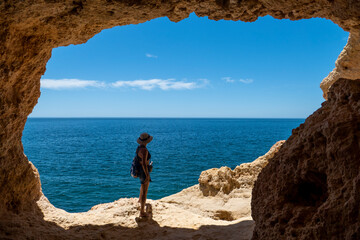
{"points": [[78, 90], [31, 29]]}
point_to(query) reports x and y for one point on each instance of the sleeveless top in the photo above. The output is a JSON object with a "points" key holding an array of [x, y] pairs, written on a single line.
{"points": [[137, 153], [141, 172]]}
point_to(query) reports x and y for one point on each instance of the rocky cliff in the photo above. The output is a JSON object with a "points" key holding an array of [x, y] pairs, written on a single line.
{"points": [[311, 188], [224, 181]]}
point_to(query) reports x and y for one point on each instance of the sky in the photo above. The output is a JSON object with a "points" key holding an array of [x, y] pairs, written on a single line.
{"points": [[194, 68]]}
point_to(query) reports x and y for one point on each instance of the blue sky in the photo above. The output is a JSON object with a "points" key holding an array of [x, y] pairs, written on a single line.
{"points": [[195, 68]]}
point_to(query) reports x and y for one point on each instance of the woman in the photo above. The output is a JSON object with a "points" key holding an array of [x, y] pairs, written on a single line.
{"points": [[144, 174]]}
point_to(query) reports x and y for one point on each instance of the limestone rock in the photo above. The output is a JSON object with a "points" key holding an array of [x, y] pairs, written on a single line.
{"points": [[347, 65], [119, 220], [233, 207], [225, 180], [311, 187]]}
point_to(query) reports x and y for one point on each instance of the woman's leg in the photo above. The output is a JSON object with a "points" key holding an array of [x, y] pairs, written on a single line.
{"points": [[146, 186], [142, 199], [143, 192]]}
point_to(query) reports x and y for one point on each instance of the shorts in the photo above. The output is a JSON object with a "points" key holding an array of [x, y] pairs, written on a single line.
{"points": [[142, 176]]}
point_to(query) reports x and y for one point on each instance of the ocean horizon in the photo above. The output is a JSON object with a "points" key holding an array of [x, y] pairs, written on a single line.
{"points": [[164, 118], [86, 161]]}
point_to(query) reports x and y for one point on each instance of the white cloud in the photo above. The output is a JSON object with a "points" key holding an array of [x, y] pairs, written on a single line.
{"points": [[69, 83], [246, 81], [150, 55], [163, 84], [230, 80]]}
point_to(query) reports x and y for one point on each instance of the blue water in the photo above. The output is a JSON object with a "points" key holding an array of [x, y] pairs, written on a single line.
{"points": [[84, 162]]}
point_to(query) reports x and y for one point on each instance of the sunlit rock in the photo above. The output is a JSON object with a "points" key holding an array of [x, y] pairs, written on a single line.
{"points": [[224, 180]]}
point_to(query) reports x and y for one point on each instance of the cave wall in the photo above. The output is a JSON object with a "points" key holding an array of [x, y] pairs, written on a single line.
{"points": [[29, 30], [347, 65], [314, 179]]}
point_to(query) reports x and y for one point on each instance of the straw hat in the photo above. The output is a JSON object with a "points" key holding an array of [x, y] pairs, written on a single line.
{"points": [[144, 138]]}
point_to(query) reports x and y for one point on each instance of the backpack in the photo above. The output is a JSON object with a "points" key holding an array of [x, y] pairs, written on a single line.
{"points": [[134, 170]]}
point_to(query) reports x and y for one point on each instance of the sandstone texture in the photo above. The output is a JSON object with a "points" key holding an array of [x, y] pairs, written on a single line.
{"points": [[347, 65], [119, 220], [311, 188], [224, 180], [189, 214]]}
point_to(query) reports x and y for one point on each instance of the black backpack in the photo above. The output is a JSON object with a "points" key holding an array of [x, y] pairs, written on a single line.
{"points": [[135, 167]]}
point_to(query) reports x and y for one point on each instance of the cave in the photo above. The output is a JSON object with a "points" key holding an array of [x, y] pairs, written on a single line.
{"points": [[30, 30]]}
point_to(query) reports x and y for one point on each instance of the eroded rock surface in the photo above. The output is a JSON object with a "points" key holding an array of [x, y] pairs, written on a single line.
{"points": [[347, 65], [224, 180], [119, 220], [311, 188]]}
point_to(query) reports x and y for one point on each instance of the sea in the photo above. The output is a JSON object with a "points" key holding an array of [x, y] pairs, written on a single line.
{"points": [[86, 161]]}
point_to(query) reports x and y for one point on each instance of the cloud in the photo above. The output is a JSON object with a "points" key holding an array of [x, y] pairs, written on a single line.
{"points": [[163, 84], [246, 81], [230, 80], [69, 83], [150, 55]]}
